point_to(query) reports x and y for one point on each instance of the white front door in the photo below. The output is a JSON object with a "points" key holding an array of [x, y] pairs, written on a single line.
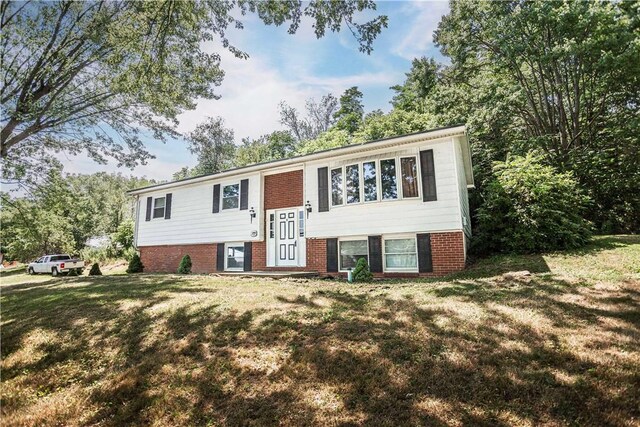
{"points": [[286, 238]]}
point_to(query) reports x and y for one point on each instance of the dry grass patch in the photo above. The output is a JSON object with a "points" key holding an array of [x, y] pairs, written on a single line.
{"points": [[559, 347]]}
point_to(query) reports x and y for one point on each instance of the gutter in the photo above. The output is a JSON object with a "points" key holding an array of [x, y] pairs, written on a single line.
{"points": [[459, 130]]}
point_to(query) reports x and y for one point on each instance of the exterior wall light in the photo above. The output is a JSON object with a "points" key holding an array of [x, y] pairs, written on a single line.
{"points": [[252, 213], [308, 208]]}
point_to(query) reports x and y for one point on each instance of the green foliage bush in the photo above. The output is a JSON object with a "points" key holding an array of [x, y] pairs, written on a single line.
{"points": [[185, 265], [135, 265], [95, 270], [530, 207], [362, 273]]}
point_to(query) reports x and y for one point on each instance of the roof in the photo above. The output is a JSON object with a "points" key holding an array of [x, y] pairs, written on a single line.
{"points": [[448, 131]]}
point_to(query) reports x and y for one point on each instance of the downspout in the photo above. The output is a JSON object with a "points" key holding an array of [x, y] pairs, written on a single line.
{"points": [[135, 226]]}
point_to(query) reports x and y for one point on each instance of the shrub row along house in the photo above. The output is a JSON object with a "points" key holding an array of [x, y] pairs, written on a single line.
{"points": [[401, 203]]}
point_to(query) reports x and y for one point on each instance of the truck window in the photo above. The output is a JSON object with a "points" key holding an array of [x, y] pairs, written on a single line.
{"points": [[60, 258]]}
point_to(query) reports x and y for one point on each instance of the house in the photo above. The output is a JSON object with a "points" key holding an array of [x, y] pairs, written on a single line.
{"points": [[399, 202]]}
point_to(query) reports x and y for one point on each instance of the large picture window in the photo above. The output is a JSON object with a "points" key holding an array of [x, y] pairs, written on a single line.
{"points": [[388, 179], [235, 257], [409, 171], [230, 196], [400, 254], [353, 184], [336, 187], [351, 251], [158, 207], [370, 183]]}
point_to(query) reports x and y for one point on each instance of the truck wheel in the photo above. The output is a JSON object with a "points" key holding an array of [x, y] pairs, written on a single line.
{"points": [[54, 272], [30, 271]]}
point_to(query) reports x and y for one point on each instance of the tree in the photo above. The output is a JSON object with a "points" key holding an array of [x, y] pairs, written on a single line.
{"points": [[90, 76], [361, 272], [349, 116], [420, 82], [562, 77], [274, 146], [135, 265], [318, 119], [530, 207], [95, 270], [185, 265], [214, 146], [397, 122]]}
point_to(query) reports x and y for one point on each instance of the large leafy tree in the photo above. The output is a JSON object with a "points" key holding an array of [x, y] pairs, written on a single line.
{"points": [[349, 116], [91, 76], [417, 87], [563, 77], [318, 117], [214, 146], [274, 146]]}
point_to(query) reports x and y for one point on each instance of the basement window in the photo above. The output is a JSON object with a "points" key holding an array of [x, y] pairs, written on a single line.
{"points": [[235, 257], [400, 255], [351, 251]]}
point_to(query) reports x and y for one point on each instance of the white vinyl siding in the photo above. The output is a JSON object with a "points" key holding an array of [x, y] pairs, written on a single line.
{"points": [[192, 219], [389, 215]]}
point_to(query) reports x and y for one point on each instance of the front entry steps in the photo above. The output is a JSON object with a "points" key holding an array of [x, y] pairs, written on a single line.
{"points": [[270, 274]]}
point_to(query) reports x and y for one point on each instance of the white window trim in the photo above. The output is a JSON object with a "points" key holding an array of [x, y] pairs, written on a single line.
{"points": [[222, 208], [379, 199], [351, 239], [384, 253], [226, 256], [164, 208]]}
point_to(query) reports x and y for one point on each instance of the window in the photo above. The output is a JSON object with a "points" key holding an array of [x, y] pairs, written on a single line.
{"points": [[230, 196], [388, 179], [158, 207], [235, 257], [353, 184], [409, 170], [301, 223], [336, 187], [400, 254], [370, 184], [272, 221], [351, 251]]}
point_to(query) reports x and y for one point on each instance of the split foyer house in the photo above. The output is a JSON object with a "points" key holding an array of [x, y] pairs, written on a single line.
{"points": [[399, 202]]}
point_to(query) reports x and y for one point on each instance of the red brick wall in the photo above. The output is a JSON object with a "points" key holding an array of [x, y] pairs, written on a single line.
{"points": [[447, 252], [283, 190], [166, 258]]}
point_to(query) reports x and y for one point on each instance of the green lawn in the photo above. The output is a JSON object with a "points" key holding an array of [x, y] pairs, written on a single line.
{"points": [[560, 347]]}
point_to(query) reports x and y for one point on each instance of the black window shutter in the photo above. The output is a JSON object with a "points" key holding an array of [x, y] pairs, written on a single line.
{"points": [[216, 198], [332, 255], [428, 176], [375, 254], [167, 206], [244, 194], [220, 257], [425, 264], [247, 256], [323, 190], [149, 207]]}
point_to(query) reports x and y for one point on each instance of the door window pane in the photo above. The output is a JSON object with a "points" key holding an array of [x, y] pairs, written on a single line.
{"points": [[388, 178], [353, 183], [351, 251], [158, 207], [400, 254], [235, 257], [370, 184], [230, 196], [336, 187], [409, 171]]}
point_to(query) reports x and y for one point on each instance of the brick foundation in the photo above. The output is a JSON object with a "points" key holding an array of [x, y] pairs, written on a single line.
{"points": [[447, 253], [166, 258]]}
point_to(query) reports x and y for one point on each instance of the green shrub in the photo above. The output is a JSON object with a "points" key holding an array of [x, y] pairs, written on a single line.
{"points": [[185, 265], [135, 265], [530, 207], [95, 270], [362, 273]]}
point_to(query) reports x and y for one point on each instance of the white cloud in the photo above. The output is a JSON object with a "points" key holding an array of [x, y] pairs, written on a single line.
{"points": [[419, 36]]}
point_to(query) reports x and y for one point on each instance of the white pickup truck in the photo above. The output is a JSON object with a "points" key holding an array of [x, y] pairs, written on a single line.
{"points": [[55, 265]]}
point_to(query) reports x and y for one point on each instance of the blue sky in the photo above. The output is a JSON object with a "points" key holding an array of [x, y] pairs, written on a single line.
{"points": [[292, 68]]}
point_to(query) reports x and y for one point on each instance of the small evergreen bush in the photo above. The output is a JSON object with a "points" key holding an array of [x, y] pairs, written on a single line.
{"points": [[95, 270], [135, 265], [185, 265], [530, 207], [362, 273]]}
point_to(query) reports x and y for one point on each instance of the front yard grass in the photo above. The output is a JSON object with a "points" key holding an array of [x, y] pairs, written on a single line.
{"points": [[559, 347]]}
